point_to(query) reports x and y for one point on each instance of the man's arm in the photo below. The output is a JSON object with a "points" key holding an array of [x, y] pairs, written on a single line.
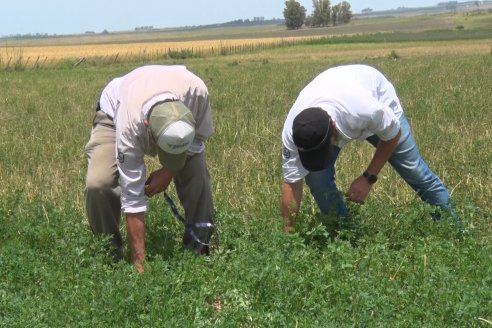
{"points": [[135, 225], [291, 202], [157, 182], [360, 188], [383, 152]]}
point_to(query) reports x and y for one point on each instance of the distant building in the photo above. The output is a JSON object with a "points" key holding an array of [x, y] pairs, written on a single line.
{"points": [[144, 28]]}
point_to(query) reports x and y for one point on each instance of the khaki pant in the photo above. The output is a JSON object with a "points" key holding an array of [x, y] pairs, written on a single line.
{"points": [[102, 191]]}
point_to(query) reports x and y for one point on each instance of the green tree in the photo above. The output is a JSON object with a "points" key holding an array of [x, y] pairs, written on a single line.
{"points": [[309, 20], [341, 13], [345, 15], [335, 14], [322, 13], [294, 14]]}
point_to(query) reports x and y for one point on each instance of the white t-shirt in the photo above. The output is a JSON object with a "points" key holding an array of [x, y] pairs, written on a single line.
{"points": [[359, 99], [128, 99]]}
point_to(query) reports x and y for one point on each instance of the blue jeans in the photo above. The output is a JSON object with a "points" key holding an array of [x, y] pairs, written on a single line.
{"points": [[406, 160]]}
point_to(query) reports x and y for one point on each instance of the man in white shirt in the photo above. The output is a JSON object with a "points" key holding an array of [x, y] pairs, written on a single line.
{"points": [[345, 103], [152, 110]]}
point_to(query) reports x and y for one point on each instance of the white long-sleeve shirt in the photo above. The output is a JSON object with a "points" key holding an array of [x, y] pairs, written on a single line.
{"points": [[359, 99], [128, 99]]}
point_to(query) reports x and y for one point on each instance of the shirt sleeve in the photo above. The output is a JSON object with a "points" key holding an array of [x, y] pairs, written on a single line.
{"points": [[292, 168], [131, 167], [108, 102], [198, 101], [384, 123]]}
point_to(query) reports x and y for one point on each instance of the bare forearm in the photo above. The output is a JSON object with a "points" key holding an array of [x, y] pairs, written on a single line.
{"points": [[135, 224], [383, 152], [291, 201]]}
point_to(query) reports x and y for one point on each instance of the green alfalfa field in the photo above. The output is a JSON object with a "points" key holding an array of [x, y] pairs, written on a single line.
{"points": [[395, 268]]}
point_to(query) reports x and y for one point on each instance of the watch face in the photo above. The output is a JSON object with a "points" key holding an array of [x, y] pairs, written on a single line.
{"points": [[371, 178]]}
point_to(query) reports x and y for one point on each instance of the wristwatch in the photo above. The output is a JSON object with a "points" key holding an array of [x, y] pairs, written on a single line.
{"points": [[371, 178]]}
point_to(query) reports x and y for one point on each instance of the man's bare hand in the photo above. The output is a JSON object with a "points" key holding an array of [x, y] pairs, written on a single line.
{"points": [[158, 181], [358, 191]]}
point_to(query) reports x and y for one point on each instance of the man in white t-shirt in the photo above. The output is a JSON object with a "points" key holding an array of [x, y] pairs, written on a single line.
{"points": [[345, 103], [152, 110]]}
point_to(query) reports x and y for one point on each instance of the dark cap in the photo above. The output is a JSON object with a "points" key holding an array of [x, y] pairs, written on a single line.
{"points": [[311, 134]]}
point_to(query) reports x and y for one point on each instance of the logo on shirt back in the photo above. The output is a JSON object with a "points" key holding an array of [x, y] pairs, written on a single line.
{"points": [[121, 157], [286, 153]]}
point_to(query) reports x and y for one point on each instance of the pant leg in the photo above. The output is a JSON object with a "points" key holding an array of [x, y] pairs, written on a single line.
{"points": [[195, 194], [102, 191], [324, 190], [410, 165]]}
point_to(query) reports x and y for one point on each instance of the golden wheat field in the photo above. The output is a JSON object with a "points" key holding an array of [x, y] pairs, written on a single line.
{"points": [[48, 55], [55, 53]]}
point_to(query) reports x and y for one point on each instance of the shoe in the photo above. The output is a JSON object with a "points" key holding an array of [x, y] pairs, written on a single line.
{"points": [[436, 216], [194, 245]]}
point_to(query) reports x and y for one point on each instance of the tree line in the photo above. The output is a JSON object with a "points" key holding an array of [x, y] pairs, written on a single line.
{"points": [[324, 14]]}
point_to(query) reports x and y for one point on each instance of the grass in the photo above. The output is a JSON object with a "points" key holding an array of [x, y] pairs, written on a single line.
{"points": [[399, 269], [433, 35]]}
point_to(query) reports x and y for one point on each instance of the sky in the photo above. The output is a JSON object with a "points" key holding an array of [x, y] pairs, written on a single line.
{"points": [[73, 17]]}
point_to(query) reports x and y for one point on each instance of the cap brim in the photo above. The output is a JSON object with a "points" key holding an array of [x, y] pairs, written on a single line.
{"points": [[173, 162], [316, 160]]}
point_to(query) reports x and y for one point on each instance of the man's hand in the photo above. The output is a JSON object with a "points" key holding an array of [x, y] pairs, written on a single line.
{"points": [[158, 181], [140, 268], [360, 188], [358, 191]]}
